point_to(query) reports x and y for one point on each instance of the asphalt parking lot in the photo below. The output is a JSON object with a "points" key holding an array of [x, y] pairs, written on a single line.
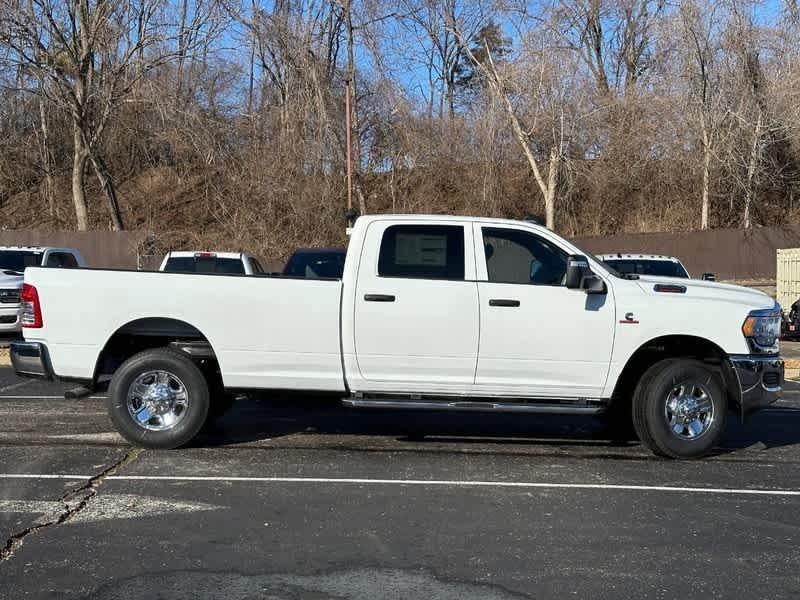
{"points": [[295, 498]]}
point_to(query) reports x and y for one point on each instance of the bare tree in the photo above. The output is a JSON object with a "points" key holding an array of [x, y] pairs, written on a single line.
{"points": [[87, 52], [435, 22], [45, 149], [613, 37], [548, 181], [700, 26]]}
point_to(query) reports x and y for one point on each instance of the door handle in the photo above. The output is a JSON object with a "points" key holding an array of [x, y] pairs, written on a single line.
{"points": [[503, 302], [378, 298]]}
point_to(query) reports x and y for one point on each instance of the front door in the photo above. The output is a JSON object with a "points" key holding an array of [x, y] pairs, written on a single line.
{"points": [[537, 337], [416, 307]]}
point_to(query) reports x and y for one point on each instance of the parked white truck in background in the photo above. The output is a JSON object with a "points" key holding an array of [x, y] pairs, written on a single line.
{"points": [[231, 263], [13, 262], [649, 264], [441, 313], [645, 264]]}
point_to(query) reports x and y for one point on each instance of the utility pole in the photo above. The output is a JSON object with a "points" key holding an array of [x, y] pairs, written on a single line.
{"points": [[348, 158]]}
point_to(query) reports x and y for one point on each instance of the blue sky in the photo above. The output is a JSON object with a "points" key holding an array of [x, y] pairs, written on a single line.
{"points": [[404, 57]]}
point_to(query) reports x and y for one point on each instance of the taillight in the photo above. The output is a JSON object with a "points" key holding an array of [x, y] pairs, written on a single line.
{"points": [[31, 309]]}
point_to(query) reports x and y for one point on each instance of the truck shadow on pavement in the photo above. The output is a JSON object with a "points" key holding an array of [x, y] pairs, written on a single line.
{"points": [[254, 420]]}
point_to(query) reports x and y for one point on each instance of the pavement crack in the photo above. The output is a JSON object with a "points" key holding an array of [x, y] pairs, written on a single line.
{"points": [[74, 501], [15, 386]]}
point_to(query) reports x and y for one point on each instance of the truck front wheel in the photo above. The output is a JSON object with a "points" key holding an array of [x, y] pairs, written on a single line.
{"points": [[158, 399], [679, 408]]}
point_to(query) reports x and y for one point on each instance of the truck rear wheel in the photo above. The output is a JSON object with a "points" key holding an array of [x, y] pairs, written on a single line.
{"points": [[679, 408], [158, 399]]}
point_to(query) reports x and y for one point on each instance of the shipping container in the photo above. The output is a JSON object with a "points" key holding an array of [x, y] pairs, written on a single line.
{"points": [[788, 277]]}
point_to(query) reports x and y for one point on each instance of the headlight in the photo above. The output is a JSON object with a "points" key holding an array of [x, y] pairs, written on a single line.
{"points": [[762, 328]]}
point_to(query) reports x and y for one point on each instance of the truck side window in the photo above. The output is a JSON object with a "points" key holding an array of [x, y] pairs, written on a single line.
{"points": [[516, 256], [422, 252], [69, 261]]}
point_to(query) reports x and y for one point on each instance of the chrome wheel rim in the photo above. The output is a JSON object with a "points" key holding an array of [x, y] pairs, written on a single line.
{"points": [[689, 411], [157, 400]]}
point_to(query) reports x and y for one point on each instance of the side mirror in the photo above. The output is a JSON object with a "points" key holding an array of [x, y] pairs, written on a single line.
{"points": [[592, 284], [577, 269], [708, 277]]}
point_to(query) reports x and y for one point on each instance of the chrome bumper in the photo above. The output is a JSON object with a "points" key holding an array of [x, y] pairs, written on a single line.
{"points": [[30, 359], [760, 380], [9, 318]]}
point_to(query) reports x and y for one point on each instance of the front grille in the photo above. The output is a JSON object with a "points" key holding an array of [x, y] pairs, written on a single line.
{"points": [[8, 319], [9, 296], [771, 379]]}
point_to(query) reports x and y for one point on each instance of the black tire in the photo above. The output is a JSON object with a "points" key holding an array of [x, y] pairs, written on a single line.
{"points": [[191, 418], [638, 405], [651, 413]]}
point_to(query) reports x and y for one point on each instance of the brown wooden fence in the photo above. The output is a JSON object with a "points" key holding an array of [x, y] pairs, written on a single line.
{"points": [[110, 249], [730, 253]]}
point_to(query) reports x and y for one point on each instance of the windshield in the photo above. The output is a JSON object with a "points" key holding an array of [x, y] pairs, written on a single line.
{"points": [[204, 264], [643, 266], [17, 260]]}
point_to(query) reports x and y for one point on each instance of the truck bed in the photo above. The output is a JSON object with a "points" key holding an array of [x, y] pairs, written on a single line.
{"points": [[267, 332]]}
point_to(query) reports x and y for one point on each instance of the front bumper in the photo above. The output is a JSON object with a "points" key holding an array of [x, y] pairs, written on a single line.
{"points": [[30, 359], [760, 380]]}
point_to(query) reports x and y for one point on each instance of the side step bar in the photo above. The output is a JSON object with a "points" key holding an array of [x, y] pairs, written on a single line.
{"points": [[508, 406]]}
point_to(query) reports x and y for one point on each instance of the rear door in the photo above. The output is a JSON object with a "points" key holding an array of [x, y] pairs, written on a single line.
{"points": [[416, 307], [537, 337]]}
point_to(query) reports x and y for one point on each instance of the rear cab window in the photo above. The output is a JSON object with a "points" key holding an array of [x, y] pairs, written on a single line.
{"points": [[422, 252], [204, 264], [62, 260], [19, 260]]}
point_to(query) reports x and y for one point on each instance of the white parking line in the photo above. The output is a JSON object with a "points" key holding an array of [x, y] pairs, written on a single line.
{"points": [[51, 398], [41, 476], [424, 483]]}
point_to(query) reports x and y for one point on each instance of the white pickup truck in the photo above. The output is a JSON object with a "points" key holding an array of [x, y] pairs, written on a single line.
{"points": [[432, 312]]}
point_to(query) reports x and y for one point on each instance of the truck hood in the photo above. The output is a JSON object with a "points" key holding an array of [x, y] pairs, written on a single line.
{"points": [[10, 281], [710, 290]]}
